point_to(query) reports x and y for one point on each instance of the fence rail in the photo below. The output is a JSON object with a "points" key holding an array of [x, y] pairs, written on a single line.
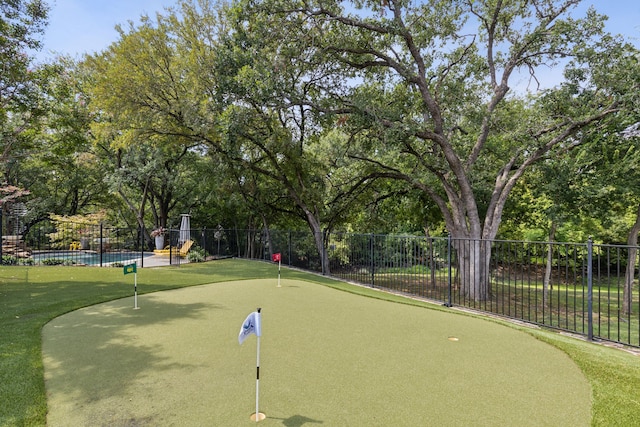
{"points": [[584, 288]]}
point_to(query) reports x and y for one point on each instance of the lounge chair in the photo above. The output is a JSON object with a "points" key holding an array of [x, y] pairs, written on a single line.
{"points": [[186, 246], [173, 250], [167, 250]]}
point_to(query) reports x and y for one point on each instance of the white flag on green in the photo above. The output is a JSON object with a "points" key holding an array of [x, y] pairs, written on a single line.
{"points": [[250, 326]]}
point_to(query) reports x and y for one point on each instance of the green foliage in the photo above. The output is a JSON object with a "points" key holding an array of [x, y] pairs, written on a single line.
{"points": [[23, 105], [71, 228], [9, 260], [197, 254], [55, 261], [63, 171], [14, 260], [22, 22], [415, 269], [339, 255], [304, 118], [153, 137], [425, 116]]}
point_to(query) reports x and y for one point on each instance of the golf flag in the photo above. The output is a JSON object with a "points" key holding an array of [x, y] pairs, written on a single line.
{"points": [[131, 268], [277, 258], [128, 269], [250, 326]]}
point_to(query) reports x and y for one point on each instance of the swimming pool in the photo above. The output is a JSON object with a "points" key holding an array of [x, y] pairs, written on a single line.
{"points": [[88, 257]]}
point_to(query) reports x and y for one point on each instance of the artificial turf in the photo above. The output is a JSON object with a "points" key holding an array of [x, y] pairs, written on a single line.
{"points": [[326, 357]]}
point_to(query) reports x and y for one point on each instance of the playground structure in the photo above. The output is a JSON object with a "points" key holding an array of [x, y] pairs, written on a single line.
{"points": [[15, 246]]}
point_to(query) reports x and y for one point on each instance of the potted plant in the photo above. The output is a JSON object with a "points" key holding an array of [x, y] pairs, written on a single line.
{"points": [[158, 234]]}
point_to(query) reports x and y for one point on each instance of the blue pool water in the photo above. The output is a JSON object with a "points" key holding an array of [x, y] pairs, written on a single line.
{"points": [[88, 257]]}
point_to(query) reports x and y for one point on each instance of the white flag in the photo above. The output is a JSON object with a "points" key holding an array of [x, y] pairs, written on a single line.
{"points": [[250, 326]]}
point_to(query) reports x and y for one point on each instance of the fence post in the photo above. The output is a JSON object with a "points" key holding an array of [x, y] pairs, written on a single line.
{"points": [[373, 263], [101, 244], [203, 238], [141, 231], [448, 304], [325, 257], [170, 245], [590, 289]]}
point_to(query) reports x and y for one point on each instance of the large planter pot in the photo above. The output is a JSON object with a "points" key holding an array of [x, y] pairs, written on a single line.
{"points": [[159, 242]]}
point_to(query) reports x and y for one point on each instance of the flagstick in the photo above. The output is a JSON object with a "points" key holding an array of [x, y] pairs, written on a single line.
{"points": [[258, 382], [279, 264], [258, 415]]}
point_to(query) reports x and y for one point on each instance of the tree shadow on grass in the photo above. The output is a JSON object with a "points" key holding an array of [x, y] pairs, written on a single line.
{"points": [[100, 351], [297, 421]]}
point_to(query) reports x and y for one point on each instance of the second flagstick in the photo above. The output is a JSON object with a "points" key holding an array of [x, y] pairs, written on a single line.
{"points": [[277, 257]]}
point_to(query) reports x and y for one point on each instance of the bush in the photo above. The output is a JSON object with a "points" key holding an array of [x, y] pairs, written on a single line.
{"points": [[9, 260], [197, 255], [53, 261]]}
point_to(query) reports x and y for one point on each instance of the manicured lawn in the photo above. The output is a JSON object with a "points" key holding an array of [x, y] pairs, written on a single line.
{"points": [[31, 297]]}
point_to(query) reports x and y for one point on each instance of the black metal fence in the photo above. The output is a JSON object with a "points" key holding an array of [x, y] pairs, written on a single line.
{"points": [[584, 288], [574, 287], [84, 244]]}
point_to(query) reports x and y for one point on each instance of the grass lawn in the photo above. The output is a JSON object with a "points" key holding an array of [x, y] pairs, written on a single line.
{"points": [[31, 297]]}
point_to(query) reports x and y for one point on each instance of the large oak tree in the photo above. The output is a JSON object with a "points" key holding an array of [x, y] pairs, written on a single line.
{"points": [[428, 102]]}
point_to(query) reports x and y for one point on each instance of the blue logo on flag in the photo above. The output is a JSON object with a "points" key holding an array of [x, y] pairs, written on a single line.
{"points": [[250, 326]]}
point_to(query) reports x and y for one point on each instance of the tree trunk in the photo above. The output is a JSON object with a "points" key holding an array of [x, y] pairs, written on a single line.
{"points": [[250, 236], [267, 235], [473, 257], [629, 277], [318, 237], [139, 211], [238, 242]]}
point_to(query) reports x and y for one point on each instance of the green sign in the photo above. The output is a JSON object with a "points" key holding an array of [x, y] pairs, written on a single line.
{"points": [[131, 268]]}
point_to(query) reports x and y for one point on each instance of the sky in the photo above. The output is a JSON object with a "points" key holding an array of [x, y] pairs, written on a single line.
{"points": [[77, 27]]}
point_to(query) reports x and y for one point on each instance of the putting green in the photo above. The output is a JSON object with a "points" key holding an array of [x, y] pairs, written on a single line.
{"points": [[326, 357]]}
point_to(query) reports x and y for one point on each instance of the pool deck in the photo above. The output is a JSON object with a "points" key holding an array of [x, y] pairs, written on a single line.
{"points": [[161, 261]]}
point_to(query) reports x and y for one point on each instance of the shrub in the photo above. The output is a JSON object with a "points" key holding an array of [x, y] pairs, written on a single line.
{"points": [[9, 260], [53, 261], [197, 255]]}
